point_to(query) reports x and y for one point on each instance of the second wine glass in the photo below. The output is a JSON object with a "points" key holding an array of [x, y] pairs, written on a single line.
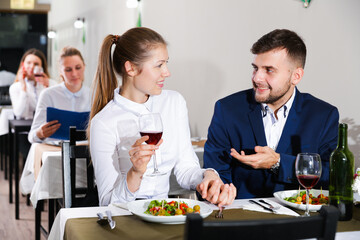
{"points": [[308, 172], [151, 125], [38, 71]]}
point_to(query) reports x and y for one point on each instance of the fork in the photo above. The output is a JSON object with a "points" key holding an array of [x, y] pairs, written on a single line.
{"points": [[219, 214], [112, 223], [270, 205]]}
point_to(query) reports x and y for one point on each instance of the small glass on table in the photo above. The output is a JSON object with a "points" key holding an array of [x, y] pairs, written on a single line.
{"points": [[308, 172]]}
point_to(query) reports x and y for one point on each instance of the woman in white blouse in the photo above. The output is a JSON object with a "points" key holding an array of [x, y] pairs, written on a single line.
{"points": [[25, 91], [69, 95], [121, 159]]}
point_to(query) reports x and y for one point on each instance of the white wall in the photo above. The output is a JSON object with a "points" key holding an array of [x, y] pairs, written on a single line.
{"points": [[210, 41]]}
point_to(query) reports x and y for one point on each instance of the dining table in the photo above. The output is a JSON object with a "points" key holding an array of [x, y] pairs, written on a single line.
{"points": [[81, 223], [6, 114], [42, 174]]}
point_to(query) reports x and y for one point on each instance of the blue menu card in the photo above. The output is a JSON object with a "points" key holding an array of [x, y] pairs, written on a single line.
{"points": [[67, 119]]}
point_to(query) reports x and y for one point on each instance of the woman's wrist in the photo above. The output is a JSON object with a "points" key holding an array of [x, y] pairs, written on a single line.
{"points": [[133, 179], [40, 135], [136, 173]]}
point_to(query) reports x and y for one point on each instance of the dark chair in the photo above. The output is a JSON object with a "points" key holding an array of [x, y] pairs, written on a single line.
{"points": [[75, 196], [322, 226]]}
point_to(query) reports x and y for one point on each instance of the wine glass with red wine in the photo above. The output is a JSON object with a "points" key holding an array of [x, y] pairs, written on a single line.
{"points": [[151, 125], [308, 172], [38, 71]]}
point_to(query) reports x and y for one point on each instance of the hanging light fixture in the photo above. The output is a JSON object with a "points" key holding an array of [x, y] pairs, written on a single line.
{"points": [[132, 3], [306, 3], [51, 34], [79, 23]]}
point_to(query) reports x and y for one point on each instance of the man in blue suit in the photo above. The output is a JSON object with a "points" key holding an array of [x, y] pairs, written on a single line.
{"points": [[255, 135]]}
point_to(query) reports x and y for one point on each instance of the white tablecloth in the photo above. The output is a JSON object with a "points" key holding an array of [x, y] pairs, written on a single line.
{"points": [[5, 115], [58, 228], [27, 179], [48, 184]]}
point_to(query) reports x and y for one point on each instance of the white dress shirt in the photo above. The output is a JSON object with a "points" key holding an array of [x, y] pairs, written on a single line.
{"points": [[115, 129], [24, 102], [58, 97], [274, 125]]}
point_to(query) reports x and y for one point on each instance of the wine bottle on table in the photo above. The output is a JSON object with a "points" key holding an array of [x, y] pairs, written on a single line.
{"points": [[342, 176]]}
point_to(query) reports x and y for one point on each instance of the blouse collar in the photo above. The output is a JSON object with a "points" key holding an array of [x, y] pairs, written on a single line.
{"points": [[134, 107], [70, 94]]}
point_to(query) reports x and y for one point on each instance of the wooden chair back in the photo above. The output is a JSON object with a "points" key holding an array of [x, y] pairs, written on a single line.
{"points": [[75, 196]]}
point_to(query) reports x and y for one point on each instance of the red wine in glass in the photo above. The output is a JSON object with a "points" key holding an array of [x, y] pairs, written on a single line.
{"points": [[151, 125], [154, 137], [308, 172], [38, 71], [308, 181]]}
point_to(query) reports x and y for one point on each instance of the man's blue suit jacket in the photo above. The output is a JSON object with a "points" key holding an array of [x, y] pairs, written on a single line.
{"points": [[311, 126]]}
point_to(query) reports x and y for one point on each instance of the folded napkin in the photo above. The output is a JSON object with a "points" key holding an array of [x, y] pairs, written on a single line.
{"points": [[281, 210], [246, 205], [121, 205]]}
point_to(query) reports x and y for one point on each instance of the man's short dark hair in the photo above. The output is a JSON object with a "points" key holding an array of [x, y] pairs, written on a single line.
{"points": [[282, 39]]}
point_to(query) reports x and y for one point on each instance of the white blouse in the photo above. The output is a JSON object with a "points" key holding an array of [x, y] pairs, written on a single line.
{"points": [[58, 97], [24, 103], [114, 130]]}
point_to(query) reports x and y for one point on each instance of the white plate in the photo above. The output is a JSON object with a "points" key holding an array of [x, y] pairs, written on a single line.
{"points": [[139, 207], [283, 194]]}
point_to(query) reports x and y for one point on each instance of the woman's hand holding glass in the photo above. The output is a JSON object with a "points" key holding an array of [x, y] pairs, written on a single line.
{"points": [[40, 76], [140, 154]]}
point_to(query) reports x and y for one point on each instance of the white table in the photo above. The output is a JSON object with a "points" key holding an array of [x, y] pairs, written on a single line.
{"points": [[5, 115], [48, 184], [58, 228]]}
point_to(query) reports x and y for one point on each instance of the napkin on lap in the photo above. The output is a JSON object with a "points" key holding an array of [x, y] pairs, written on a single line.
{"points": [[282, 210]]}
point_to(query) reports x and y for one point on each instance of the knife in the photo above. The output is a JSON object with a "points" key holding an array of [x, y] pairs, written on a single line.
{"points": [[112, 223], [264, 207]]}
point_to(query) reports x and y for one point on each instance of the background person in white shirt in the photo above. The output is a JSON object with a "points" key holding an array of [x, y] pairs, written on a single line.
{"points": [[25, 91], [69, 95], [6, 78], [121, 159]]}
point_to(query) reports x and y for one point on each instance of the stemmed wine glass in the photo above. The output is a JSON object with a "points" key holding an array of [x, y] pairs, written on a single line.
{"points": [[38, 71], [308, 172], [151, 125]]}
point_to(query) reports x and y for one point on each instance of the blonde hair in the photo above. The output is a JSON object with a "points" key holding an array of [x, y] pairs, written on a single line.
{"points": [[68, 52]]}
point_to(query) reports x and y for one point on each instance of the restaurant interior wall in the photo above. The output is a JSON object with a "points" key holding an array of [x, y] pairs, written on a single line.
{"points": [[210, 41]]}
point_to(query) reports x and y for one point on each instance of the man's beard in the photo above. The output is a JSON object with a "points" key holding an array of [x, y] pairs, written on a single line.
{"points": [[273, 97]]}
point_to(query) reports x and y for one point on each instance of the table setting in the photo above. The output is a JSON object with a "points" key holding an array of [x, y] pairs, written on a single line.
{"points": [[83, 223]]}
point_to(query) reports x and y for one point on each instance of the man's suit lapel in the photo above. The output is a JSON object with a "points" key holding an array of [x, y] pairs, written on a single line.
{"points": [[288, 134], [257, 125]]}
